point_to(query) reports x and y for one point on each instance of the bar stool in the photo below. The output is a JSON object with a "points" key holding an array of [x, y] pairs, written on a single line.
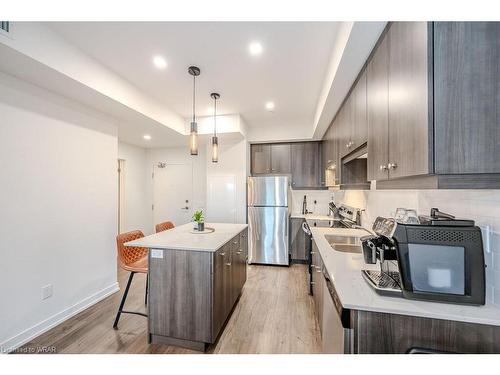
{"points": [[166, 225], [135, 260]]}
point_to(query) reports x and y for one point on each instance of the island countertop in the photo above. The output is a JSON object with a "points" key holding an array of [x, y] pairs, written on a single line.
{"points": [[180, 238]]}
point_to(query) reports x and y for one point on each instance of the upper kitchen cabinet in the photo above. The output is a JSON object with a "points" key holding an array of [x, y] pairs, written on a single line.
{"points": [[280, 158], [409, 131], [260, 155], [302, 160], [378, 112], [270, 158], [306, 160], [467, 97], [359, 129]]}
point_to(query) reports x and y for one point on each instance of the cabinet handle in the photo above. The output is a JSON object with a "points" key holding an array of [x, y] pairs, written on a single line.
{"points": [[392, 165], [347, 145], [235, 242], [222, 254], [313, 283], [383, 167], [228, 264], [313, 252]]}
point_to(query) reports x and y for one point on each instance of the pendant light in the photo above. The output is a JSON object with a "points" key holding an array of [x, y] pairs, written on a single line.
{"points": [[215, 141], [193, 136]]}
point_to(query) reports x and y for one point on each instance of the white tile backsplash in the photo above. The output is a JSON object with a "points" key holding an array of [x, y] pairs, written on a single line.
{"points": [[322, 198], [483, 206]]}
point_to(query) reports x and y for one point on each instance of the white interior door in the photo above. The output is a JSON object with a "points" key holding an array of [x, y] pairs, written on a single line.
{"points": [[173, 193]]}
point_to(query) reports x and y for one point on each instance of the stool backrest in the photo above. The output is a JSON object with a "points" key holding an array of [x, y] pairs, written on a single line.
{"points": [[127, 254], [166, 225]]}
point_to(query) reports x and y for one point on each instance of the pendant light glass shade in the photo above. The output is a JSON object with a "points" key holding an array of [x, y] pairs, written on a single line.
{"points": [[215, 140], [193, 134], [215, 150], [193, 139]]}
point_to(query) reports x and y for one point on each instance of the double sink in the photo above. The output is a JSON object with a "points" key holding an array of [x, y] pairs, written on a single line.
{"points": [[344, 244]]}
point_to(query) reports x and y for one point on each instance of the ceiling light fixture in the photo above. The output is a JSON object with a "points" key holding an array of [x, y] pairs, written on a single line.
{"points": [[159, 62], [147, 137], [215, 140], [193, 136], [270, 106], [255, 48]]}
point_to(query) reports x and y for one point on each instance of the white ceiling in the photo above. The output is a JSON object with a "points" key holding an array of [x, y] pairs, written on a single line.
{"points": [[290, 71]]}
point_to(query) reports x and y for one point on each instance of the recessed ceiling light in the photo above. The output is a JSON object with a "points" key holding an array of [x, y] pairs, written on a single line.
{"points": [[270, 106], [147, 137], [159, 62], [255, 48]]}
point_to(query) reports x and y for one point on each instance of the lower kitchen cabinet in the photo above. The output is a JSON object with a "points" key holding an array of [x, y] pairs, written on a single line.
{"points": [[317, 285], [298, 240]]}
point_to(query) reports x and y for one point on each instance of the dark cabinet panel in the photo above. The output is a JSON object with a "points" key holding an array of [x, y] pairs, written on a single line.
{"points": [[305, 165], [359, 128], [297, 240], [378, 113], [260, 158], [409, 128], [467, 97], [344, 128], [280, 158]]}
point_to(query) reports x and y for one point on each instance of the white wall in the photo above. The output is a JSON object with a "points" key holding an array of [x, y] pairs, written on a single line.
{"points": [[483, 206], [137, 175], [58, 217], [232, 165]]}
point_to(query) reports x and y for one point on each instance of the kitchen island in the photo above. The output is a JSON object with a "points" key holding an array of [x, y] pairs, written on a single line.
{"points": [[194, 282]]}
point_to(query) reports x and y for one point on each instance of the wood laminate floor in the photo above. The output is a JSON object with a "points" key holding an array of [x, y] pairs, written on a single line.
{"points": [[273, 315]]}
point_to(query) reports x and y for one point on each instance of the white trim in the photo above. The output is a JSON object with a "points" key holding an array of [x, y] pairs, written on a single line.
{"points": [[56, 319]]}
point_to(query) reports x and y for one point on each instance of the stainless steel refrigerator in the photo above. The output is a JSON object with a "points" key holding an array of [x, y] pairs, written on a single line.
{"points": [[268, 217]]}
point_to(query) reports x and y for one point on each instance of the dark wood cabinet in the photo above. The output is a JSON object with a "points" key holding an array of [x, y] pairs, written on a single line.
{"points": [[297, 240], [302, 160], [317, 286], [378, 112], [359, 128], [260, 159], [306, 171], [467, 97], [344, 128], [280, 158], [410, 135]]}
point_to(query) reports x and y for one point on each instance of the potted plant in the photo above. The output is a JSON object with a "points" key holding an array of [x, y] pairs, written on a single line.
{"points": [[200, 220]]}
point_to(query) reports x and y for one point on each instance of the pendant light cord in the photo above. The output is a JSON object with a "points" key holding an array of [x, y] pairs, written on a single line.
{"points": [[215, 117], [194, 98]]}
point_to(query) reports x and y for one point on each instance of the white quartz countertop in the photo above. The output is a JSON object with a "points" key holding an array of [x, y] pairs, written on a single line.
{"points": [[354, 293], [180, 238], [311, 217]]}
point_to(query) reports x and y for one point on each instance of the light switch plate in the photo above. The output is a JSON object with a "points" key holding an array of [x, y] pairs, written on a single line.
{"points": [[155, 253]]}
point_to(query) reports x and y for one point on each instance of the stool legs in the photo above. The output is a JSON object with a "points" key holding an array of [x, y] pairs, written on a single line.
{"points": [[122, 303]]}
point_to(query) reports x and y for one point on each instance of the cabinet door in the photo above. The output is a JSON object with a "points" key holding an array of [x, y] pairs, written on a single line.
{"points": [[336, 143], [378, 112], [260, 159], [344, 128], [408, 100], [297, 240], [305, 165], [218, 293], [280, 158], [467, 97], [359, 129]]}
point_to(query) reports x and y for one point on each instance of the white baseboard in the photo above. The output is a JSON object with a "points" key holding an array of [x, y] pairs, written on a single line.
{"points": [[56, 319]]}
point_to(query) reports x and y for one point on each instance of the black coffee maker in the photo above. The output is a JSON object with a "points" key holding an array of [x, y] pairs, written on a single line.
{"points": [[439, 259]]}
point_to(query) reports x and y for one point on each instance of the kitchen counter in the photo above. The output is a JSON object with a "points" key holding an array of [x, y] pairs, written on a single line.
{"points": [[180, 238], [311, 217], [354, 293]]}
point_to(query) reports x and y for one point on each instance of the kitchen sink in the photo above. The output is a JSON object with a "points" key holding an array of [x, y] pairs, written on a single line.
{"points": [[345, 244]]}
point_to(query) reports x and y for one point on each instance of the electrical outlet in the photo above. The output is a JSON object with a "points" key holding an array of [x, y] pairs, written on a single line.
{"points": [[47, 291]]}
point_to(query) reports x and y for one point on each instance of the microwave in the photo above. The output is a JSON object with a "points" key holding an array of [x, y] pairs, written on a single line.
{"points": [[442, 260]]}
